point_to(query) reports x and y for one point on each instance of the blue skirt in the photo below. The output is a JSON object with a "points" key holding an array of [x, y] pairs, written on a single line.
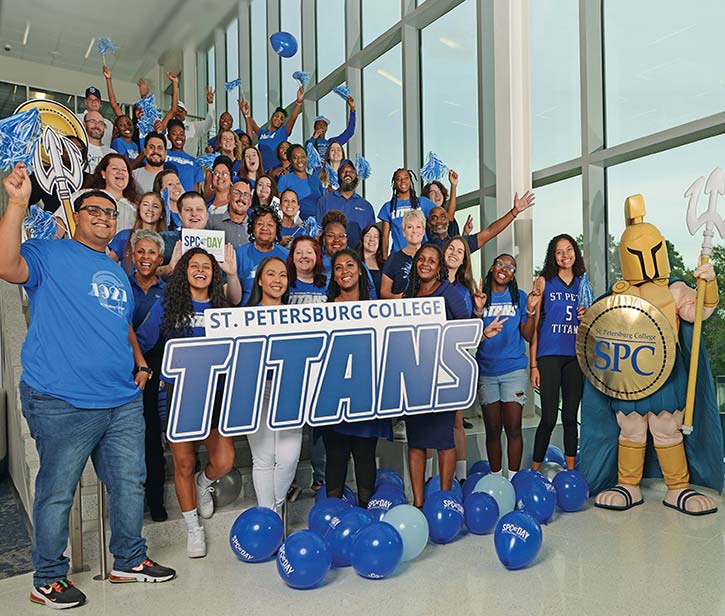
{"points": [[431, 430]]}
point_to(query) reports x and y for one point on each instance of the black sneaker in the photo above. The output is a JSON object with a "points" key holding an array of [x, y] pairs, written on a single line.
{"points": [[467, 425], [59, 595], [147, 571]]}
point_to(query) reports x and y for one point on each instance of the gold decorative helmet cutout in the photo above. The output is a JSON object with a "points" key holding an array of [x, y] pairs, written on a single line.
{"points": [[642, 248]]}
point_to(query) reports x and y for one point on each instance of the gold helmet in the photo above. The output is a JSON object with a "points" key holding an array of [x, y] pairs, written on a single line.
{"points": [[642, 248]]}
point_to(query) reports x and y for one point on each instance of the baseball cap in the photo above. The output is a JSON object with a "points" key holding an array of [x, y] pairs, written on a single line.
{"points": [[181, 105], [323, 118], [344, 162], [92, 91]]}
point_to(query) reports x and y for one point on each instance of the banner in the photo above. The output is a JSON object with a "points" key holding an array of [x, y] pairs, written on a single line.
{"points": [[327, 363]]}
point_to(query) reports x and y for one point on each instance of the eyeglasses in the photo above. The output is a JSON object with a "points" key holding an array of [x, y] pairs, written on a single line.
{"points": [[505, 266], [221, 174], [242, 195], [94, 122], [336, 236], [97, 211]]}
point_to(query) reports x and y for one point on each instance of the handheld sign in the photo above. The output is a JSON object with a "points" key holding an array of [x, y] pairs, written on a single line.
{"points": [[327, 363], [211, 241]]}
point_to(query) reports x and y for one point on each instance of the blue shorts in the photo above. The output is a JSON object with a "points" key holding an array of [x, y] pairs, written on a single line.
{"points": [[509, 387]]}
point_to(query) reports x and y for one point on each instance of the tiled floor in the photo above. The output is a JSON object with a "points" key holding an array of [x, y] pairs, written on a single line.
{"points": [[650, 560]]}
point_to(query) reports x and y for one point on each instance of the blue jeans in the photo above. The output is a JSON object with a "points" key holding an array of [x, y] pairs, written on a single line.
{"points": [[66, 437]]}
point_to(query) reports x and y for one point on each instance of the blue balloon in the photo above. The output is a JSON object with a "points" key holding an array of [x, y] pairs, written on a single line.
{"points": [[444, 513], [554, 454], [284, 44], [434, 485], [256, 534], [303, 560], [521, 478], [342, 536], [347, 495], [572, 490], [480, 513], [501, 489], [323, 511], [382, 501], [537, 497], [412, 526], [389, 488], [376, 551], [517, 539], [388, 475], [470, 483], [482, 466]]}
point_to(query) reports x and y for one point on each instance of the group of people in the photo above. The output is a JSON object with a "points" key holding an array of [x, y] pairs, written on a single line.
{"points": [[133, 208]]}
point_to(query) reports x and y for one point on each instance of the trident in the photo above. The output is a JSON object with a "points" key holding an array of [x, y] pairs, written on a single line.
{"points": [[57, 177], [712, 221]]}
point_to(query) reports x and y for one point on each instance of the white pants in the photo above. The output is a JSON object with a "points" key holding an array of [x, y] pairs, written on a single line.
{"points": [[275, 454]]}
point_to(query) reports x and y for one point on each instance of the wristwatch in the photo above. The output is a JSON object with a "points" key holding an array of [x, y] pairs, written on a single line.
{"points": [[145, 369]]}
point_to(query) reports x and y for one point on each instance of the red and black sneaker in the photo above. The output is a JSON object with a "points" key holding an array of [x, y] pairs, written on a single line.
{"points": [[147, 571], [59, 595]]}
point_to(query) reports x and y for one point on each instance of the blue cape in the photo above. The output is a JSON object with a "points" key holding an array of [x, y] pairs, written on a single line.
{"points": [[704, 447]]}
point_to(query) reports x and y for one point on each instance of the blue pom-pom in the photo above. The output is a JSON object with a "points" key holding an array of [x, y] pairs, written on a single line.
{"points": [[342, 91], [332, 178], [230, 85], [314, 162], [106, 46], [434, 169], [40, 224], [302, 76], [586, 295], [362, 167], [19, 138], [207, 161], [151, 113], [311, 227]]}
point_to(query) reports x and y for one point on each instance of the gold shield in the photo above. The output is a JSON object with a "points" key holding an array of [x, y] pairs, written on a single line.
{"points": [[626, 347]]}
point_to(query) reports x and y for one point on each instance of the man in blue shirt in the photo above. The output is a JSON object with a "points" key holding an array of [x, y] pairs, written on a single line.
{"points": [[358, 211], [190, 174], [321, 142], [78, 392]]}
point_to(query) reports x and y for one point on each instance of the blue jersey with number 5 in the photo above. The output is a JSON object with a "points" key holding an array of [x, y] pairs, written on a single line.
{"points": [[559, 321]]}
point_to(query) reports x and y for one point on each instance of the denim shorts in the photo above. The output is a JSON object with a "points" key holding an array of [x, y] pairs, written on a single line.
{"points": [[509, 387]]}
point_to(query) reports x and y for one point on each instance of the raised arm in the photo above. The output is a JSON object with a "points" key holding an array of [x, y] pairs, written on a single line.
{"points": [[111, 94], [252, 126], [520, 204], [174, 100], [296, 111], [539, 287], [453, 179], [13, 267], [349, 131]]}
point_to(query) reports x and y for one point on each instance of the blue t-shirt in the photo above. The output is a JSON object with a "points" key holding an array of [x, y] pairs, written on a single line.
{"points": [[307, 293], [119, 241], [321, 144], [466, 296], [397, 268], [212, 141], [188, 170], [506, 351], [308, 190], [143, 301], [81, 305], [359, 213], [471, 240], [395, 219], [559, 321], [130, 150], [455, 306], [248, 258], [268, 141], [293, 231]]}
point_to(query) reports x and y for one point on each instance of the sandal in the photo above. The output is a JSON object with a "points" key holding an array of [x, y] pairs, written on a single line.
{"points": [[682, 499], [628, 504]]}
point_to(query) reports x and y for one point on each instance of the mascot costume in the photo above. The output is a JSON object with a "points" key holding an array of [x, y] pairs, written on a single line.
{"points": [[634, 346]]}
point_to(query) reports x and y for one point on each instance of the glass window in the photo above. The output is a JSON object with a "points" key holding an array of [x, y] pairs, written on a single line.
{"points": [[210, 68], [383, 123], [450, 93], [663, 179], [291, 21], [330, 36], [259, 60], [558, 210], [555, 96], [461, 216], [663, 66], [377, 17], [334, 109], [233, 70]]}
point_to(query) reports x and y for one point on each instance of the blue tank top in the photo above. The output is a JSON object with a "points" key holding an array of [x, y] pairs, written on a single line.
{"points": [[559, 321]]}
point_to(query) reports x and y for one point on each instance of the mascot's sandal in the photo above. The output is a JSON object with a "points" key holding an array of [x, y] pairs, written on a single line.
{"points": [[622, 491], [681, 503]]}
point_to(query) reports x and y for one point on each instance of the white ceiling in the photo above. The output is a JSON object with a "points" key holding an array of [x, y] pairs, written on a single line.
{"points": [[61, 31]]}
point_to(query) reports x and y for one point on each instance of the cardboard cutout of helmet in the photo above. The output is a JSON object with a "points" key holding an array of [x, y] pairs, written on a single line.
{"points": [[642, 248]]}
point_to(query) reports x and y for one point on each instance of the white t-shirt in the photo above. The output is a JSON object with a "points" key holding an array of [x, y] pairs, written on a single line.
{"points": [[108, 131], [95, 154]]}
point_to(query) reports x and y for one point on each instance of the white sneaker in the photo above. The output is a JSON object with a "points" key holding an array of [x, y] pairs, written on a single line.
{"points": [[196, 543], [204, 500]]}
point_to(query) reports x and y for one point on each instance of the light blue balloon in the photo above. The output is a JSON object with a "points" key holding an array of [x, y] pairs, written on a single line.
{"points": [[412, 526], [501, 489]]}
